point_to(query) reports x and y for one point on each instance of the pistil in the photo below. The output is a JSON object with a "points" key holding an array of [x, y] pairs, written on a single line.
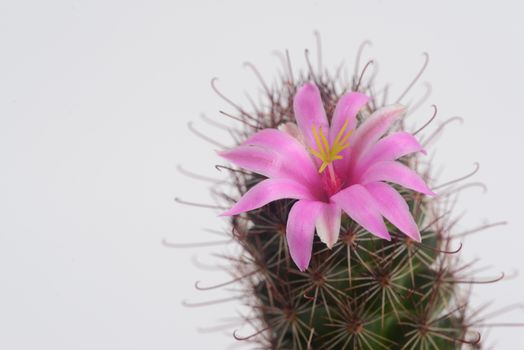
{"points": [[329, 153]]}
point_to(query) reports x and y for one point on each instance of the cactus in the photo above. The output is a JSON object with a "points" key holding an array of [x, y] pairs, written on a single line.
{"points": [[362, 291]]}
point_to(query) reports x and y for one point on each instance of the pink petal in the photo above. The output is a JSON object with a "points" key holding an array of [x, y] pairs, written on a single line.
{"points": [[398, 173], [275, 154], [376, 125], [390, 147], [267, 191], [394, 208], [300, 231], [346, 110], [328, 223], [256, 159], [309, 112], [290, 154], [371, 130], [361, 207]]}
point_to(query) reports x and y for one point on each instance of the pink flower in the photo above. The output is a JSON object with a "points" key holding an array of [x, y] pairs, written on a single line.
{"points": [[330, 169]]}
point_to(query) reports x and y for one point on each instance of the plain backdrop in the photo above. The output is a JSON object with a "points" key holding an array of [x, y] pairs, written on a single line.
{"points": [[95, 97]]}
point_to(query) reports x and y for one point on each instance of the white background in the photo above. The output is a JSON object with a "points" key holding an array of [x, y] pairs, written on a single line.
{"points": [[94, 101]]}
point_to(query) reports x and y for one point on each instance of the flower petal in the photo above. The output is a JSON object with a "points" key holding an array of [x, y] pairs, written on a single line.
{"points": [[394, 208], [267, 191], [398, 173], [346, 110], [367, 134], [275, 154], [390, 147], [292, 157], [309, 113], [328, 223], [300, 231], [361, 207], [257, 159], [376, 125]]}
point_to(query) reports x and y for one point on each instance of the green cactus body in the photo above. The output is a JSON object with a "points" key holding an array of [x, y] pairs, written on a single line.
{"points": [[364, 292]]}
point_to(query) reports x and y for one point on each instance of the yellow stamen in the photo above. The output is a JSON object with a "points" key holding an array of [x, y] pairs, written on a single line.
{"points": [[326, 153]]}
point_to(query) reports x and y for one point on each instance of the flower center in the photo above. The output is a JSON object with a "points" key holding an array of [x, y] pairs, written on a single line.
{"points": [[326, 153]]}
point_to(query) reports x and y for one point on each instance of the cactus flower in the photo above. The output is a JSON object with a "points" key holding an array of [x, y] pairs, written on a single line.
{"points": [[331, 168]]}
